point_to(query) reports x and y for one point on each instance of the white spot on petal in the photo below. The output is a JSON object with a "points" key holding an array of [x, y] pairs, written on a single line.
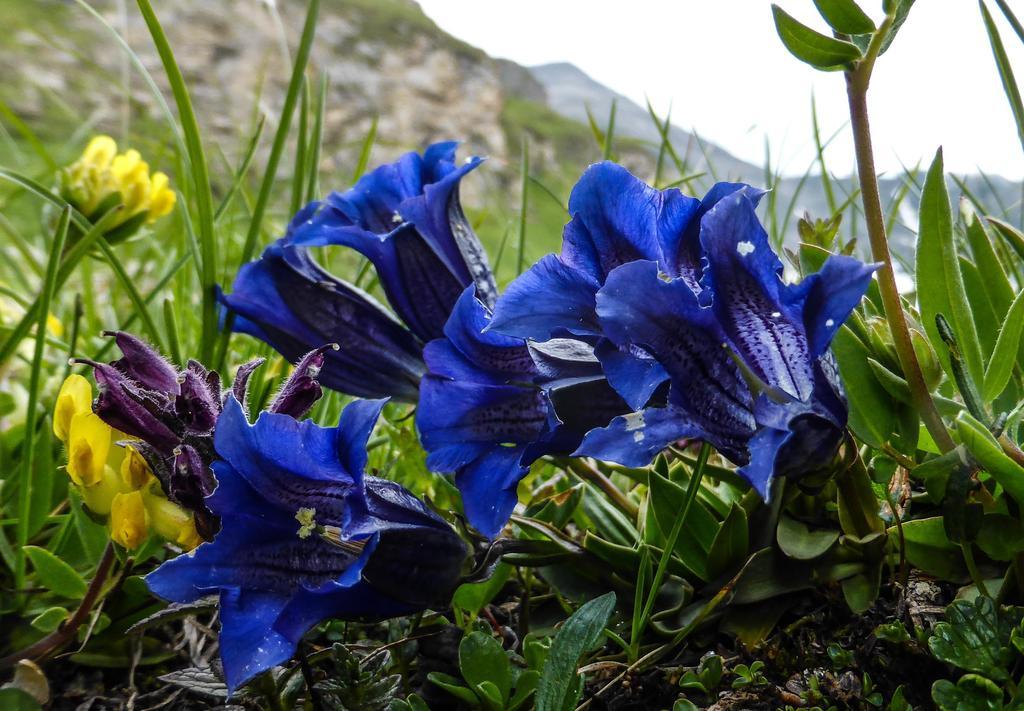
{"points": [[638, 436], [776, 314], [830, 323], [396, 218], [744, 248], [635, 421]]}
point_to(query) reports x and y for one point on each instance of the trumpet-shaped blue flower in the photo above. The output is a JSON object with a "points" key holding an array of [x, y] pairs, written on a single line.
{"points": [[491, 404], [306, 536], [406, 218], [685, 306], [746, 354]]}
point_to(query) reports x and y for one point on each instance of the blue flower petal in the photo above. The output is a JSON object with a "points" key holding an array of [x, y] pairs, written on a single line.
{"points": [[633, 440], [830, 295], [637, 307], [354, 428], [750, 299], [631, 371], [617, 218], [764, 448], [548, 300], [249, 644], [488, 487]]}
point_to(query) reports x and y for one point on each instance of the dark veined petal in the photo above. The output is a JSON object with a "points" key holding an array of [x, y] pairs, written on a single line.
{"points": [[438, 216], [617, 218], [469, 351], [637, 307], [288, 301], [292, 464], [750, 299], [550, 299]]}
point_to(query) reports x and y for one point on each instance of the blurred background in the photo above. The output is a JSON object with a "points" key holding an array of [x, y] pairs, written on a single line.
{"points": [[491, 72]]}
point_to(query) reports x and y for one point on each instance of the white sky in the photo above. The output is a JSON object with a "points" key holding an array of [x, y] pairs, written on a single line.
{"points": [[726, 74]]}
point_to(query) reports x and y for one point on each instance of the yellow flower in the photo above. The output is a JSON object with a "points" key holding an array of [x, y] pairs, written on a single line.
{"points": [[172, 522], [88, 446], [135, 471], [128, 520], [100, 496], [102, 178], [75, 397]]}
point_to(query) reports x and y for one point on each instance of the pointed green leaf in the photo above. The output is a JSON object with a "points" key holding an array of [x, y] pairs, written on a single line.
{"points": [[940, 286], [996, 283], [482, 659], [1000, 365], [807, 45], [845, 16], [872, 415], [580, 632], [55, 574]]}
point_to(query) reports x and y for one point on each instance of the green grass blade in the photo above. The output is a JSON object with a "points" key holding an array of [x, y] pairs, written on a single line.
{"points": [[171, 327], [524, 204], [364, 152], [316, 144], [200, 179], [826, 178], [1004, 356], [35, 378], [301, 146], [1005, 70], [243, 170], [609, 133]]}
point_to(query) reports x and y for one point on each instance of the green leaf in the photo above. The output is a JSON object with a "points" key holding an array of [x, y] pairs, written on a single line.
{"points": [[845, 16], [900, 16], [558, 681], [482, 659], [694, 544], [12, 699], [801, 543], [996, 283], [50, 619], [807, 45], [452, 686], [526, 684], [1001, 537], [929, 549], [55, 574], [872, 415], [940, 286], [985, 449], [731, 542], [1004, 356], [971, 693], [974, 637]]}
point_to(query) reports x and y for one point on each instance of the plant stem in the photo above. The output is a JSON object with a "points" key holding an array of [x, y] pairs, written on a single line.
{"points": [[972, 568], [58, 638], [588, 472], [857, 81]]}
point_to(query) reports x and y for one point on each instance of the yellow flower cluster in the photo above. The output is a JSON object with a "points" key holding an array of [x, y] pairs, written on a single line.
{"points": [[115, 481], [102, 178]]}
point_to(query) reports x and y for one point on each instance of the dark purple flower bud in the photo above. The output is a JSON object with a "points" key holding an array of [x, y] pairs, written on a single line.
{"points": [[302, 389], [240, 388], [143, 364], [211, 377], [196, 406], [123, 406]]}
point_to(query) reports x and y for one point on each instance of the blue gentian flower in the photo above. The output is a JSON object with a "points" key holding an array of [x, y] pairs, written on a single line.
{"points": [[406, 218], [746, 353], [685, 307], [306, 536], [491, 404]]}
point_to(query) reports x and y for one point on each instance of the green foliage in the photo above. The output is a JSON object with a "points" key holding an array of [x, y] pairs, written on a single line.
{"points": [[807, 45], [560, 686]]}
